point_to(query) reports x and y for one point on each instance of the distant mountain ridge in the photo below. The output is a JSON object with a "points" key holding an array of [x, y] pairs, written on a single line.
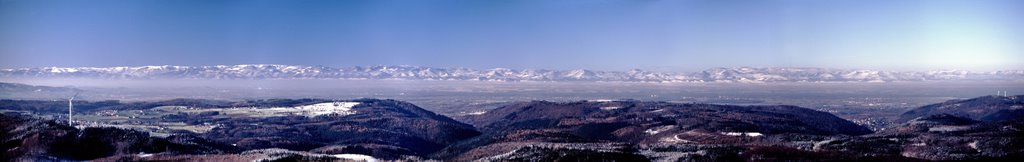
{"points": [[405, 72]]}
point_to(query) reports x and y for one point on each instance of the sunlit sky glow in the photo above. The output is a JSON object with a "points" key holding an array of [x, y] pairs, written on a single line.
{"points": [[556, 34]]}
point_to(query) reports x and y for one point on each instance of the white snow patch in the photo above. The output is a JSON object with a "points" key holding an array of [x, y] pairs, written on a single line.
{"points": [[657, 130], [476, 113], [143, 154], [312, 110], [817, 145], [610, 108], [340, 108], [601, 100], [356, 157], [974, 145], [751, 134]]}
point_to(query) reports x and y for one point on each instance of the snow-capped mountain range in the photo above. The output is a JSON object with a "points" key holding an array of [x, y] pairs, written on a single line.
{"points": [[404, 72]]}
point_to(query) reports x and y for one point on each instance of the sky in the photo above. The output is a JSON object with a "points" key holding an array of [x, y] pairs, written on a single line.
{"points": [[677, 35]]}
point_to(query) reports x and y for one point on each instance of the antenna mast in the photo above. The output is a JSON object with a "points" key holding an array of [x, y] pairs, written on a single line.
{"points": [[71, 106]]}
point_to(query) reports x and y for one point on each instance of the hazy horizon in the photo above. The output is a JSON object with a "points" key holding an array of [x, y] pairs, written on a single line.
{"points": [[651, 69]]}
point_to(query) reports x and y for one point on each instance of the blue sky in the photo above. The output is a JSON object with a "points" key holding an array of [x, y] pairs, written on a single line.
{"points": [[680, 35]]}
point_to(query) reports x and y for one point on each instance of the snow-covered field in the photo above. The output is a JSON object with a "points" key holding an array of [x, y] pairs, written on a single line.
{"points": [[657, 130], [312, 110], [356, 157], [750, 134], [340, 108]]}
